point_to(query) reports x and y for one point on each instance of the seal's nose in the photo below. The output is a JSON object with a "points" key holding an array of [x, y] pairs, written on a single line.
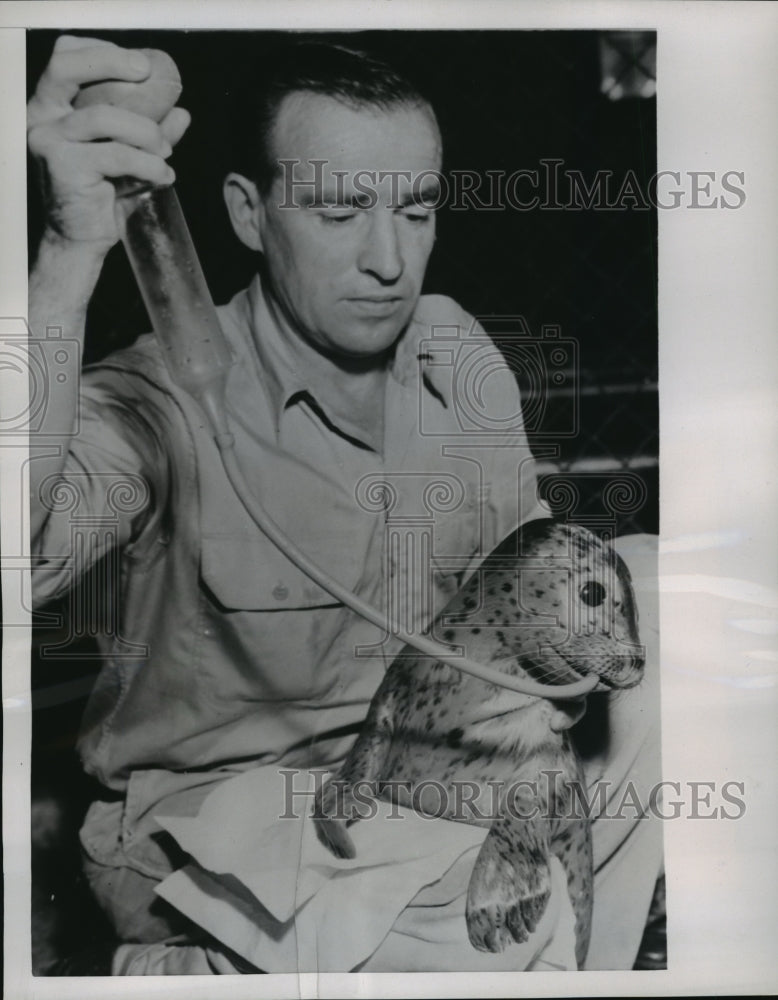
{"points": [[630, 670]]}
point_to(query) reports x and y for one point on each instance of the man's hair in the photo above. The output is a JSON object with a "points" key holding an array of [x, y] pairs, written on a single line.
{"points": [[355, 78]]}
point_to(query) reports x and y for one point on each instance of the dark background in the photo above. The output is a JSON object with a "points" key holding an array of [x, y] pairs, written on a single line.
{"points": [[505, 100]]}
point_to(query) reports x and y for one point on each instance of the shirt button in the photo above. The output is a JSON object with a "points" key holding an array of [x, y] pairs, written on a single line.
{"points": [[280, 592]]}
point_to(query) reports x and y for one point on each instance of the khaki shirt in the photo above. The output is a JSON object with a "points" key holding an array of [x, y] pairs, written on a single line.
{"points": [[221, 653]]}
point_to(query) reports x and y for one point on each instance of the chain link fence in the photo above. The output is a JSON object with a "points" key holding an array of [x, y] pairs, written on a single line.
{"points": [[573, 251]]}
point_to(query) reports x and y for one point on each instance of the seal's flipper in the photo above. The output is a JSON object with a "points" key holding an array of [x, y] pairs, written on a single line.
{"points": [[572, 844], [335, 806], [367, 759], [510, 884], [331, 811]]}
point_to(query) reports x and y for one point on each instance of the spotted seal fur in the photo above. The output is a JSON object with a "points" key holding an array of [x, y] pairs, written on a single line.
{"points": [[552, 602]]}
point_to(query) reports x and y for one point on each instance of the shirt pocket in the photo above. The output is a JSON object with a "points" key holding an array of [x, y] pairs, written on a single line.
{"points": [[250, 573]]}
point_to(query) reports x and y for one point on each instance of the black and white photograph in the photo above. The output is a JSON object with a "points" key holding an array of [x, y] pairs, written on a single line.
{"points": [[349, 635]]}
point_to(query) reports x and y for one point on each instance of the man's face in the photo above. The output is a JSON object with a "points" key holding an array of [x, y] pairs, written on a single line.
{"points": [[346, 243]]}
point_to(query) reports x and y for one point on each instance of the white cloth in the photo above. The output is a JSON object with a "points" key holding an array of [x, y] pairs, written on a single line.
{"points": [[287, 903]]}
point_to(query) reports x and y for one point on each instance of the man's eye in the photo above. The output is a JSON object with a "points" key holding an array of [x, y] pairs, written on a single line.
{"points": [[417, 214], [337, 216]]}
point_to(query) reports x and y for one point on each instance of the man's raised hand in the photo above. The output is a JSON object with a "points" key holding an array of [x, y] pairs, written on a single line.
{"points": [[79, 151]]}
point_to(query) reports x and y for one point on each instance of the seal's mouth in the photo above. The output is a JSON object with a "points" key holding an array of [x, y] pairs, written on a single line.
{"points": [[552, 667]]}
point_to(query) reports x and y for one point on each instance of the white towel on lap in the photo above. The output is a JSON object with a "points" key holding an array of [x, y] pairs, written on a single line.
{"points": [[268, 889]]}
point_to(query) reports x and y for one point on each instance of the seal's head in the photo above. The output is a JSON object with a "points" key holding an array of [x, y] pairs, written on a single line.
{"points": [[558, 604]]}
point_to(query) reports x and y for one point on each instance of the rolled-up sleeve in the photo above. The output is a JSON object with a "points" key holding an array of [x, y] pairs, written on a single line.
{"points": [[114, 477]]}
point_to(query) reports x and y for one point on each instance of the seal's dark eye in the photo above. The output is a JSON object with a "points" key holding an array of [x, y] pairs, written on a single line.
{"points": [[593, 593]]}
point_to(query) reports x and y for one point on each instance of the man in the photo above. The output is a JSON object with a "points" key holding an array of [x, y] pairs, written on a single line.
{"points": [[241, 661]]}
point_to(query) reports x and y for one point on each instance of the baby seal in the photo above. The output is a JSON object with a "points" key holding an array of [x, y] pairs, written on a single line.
{"points": [[555, 603]]}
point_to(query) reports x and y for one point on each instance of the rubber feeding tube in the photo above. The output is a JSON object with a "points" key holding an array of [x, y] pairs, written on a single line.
{"points": [[198, 358]]}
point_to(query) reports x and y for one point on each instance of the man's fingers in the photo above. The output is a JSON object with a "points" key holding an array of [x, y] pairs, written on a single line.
{"points": [[112, 159], [93, 162], [174, 124], [72, 42], [69, 68], [104, 122]]}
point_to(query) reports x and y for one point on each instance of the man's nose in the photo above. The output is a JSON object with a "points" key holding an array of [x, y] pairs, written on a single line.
{"points": [[380, 253]]}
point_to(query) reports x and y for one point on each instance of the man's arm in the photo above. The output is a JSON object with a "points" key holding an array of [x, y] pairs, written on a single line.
{"points": [[78, 152]]}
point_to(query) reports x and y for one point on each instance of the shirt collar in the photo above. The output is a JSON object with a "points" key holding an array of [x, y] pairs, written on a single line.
{"points": [[287, 383], [282, 377]]}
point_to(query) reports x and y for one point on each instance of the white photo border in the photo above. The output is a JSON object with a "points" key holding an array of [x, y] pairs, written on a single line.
{"points": [[718, 354]]}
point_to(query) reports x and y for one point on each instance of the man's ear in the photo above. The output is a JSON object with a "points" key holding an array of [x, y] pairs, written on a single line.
{"points": [[245, 209]]}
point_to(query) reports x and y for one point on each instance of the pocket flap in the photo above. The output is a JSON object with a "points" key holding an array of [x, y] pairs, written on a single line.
{"points": [[248, 572]]}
